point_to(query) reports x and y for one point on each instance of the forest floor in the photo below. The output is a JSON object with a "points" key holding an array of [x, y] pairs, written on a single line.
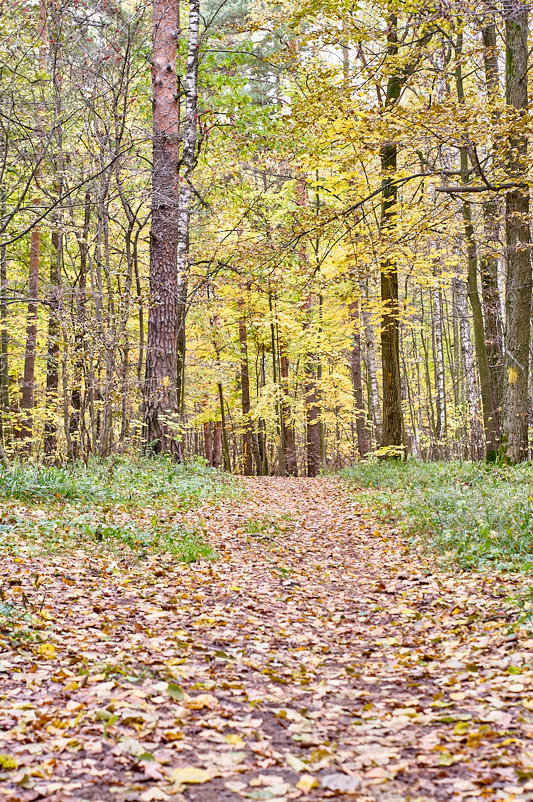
{"points": [[317, 658]]}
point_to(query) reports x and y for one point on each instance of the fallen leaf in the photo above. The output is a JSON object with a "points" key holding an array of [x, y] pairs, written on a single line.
{"points": [[306, 783], [190, 775], [8, 762], [341, 783]]}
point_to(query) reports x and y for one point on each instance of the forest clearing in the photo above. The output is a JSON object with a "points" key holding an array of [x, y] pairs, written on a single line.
{"points": [[308, 653]]}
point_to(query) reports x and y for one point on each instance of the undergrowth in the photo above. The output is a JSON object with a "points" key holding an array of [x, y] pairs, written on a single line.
{"points": [[121, 505], [127, 481], [474, 515]]}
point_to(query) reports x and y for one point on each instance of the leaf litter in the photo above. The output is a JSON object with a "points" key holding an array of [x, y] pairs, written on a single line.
{"points": [[323, 661]]}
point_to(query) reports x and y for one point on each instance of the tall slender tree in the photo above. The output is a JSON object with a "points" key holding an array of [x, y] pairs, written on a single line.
{"points": [[517, 236], [161, 382]]}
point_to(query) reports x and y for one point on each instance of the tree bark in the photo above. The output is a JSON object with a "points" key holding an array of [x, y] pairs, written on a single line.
{"points": [[4, 340], [517, 238], [289, 444], [225, 442], [52, 348], [247, 443], [217, 444], [488, 260], [161, 379], [363, 441], [476, 434], [487, 397], [392, 441], [312, 413], [187, 165], [440, 385], [370, 355], [25, 431]]}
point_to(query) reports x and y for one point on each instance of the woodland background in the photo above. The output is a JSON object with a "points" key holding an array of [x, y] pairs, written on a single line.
{"points": [[355, 267]]}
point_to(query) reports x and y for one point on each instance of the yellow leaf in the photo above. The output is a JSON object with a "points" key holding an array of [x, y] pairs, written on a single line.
{"points": [[295, 763], [462, 727], [306, 783], [191, 775], [446, 759], [47, 650], [8, 762], [234, 740], [202, 700]]}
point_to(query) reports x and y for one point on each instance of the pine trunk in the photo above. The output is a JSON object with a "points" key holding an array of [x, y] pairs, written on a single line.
{"points": [[161, 380]]}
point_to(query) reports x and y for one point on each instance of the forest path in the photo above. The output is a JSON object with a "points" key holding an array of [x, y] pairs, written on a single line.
{"points": [[316, 659]]}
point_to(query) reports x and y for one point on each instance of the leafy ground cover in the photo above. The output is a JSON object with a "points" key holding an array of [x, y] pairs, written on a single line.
{"points": [[476, 516], [116, 505], [314, 659], [132, 510]]}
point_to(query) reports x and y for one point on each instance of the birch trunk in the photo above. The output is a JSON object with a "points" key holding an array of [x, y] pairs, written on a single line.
{"points": [[476, 434], [187, 165], [487, 398]]}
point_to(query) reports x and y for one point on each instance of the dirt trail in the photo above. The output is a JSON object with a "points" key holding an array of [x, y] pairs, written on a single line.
{"points": [[316, 659]]}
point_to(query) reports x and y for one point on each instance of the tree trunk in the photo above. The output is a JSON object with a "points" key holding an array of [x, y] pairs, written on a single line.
{"points": [[4, 341], [487, 399], [188, 162], [247, 444], [75, 424], [217, 444], [277, 385], [25, 431], [225, 443], [476, 434], [518, 287], [370, 353], [440, 397], [52, 348], [289, 445], [488, 260], [312, 415], [363, 443], [392, 441], [161, 381]]}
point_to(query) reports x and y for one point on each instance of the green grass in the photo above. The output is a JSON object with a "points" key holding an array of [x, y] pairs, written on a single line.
{"points": [[113, 505], [475, 515], [116, 480]]}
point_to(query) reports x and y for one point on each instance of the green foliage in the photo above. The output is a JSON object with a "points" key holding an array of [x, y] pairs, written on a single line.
{"points": [[110, 505], [262, 528], [477, 516], [126, 481]]}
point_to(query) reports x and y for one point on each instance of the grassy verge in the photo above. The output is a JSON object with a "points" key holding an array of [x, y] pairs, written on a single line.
{"points": [[476, 516], [131, 513], [128, 506]]}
